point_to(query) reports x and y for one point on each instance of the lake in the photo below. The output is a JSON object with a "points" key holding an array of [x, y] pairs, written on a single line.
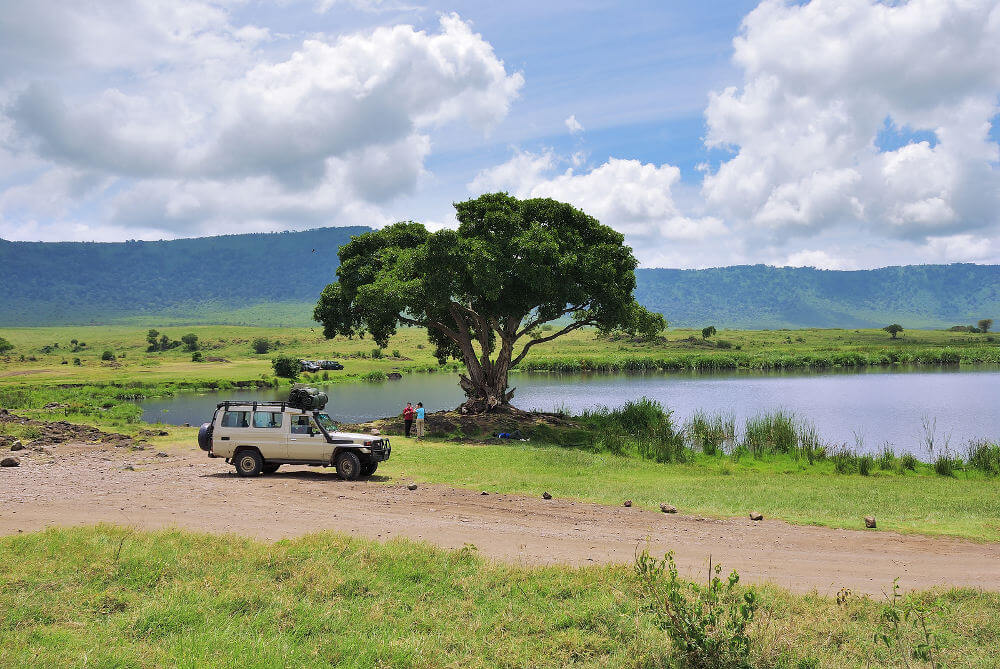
{"points": [[876, 405]]}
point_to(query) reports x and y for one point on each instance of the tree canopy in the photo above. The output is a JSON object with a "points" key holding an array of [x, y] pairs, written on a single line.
{"points": [[483, 291], [893, 329]]}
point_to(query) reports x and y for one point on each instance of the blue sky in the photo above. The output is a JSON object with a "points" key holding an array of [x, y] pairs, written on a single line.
{"points": [[832, 133]]}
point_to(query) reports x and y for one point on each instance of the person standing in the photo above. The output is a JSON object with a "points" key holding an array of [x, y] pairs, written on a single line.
{"points": [[420, 420], [408, 414]]}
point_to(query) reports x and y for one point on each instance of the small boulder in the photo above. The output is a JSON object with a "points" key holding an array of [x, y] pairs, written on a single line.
{"points": [[412, 486], [668, 508], [394, 376], [161, 454], [375, 431], [546, 495], [10, 462], [870, 522], [756, 515], [628, 502], [17, 446], [484, 493]]}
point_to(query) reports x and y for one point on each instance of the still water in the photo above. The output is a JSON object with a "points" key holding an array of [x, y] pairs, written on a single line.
{"points": [[877, 406]]}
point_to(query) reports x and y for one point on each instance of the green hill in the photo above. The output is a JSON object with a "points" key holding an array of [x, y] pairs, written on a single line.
{"points": [[274, 279]]}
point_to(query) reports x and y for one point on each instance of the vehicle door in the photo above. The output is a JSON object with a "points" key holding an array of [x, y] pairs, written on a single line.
{"points": [[306, 441], [269, 434], [234, 430]]}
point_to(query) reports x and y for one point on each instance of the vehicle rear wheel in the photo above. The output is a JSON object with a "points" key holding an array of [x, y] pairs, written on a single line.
{"points": [[248, 463], [368, 468], [270, 468], [348, 465]]}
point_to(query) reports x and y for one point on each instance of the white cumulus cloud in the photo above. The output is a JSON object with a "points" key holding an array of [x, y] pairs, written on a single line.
{"points": [[573, 125]]}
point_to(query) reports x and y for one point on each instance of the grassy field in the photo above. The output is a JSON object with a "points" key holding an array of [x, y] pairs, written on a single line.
{"points": [[778, 486], [110, 597], [681, 349]]}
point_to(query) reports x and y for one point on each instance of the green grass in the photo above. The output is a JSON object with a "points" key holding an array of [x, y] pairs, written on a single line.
{"points": [[682, 350], [111, 597], [778, 486]]}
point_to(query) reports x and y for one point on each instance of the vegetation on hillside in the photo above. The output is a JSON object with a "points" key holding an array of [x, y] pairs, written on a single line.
{"points": [[272, 279]]}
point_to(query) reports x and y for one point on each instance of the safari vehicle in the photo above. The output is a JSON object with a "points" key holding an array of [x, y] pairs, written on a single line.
{"points": [[259, 437]]}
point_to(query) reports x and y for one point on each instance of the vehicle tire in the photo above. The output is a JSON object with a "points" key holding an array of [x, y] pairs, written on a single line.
{"points": [[368, 468], [271, 467], [248, 462], [205, 436], [348, 465]]}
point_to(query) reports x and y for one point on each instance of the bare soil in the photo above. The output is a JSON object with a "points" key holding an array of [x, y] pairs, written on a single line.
{"points": [[104, 480]]}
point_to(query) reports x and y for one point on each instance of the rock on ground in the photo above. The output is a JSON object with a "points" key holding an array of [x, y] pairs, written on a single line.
{"points": [[10, 462]]}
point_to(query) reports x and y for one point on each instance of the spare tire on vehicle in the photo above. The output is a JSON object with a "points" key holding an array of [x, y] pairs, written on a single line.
{"points": [[306, 398], [205, 436]]}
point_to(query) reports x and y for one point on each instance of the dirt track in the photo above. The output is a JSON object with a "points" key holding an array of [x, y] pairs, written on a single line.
{"points": [[83, 484]]}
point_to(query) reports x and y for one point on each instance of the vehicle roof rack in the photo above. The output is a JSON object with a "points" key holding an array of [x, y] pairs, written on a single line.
{"points": [[253, 403]]}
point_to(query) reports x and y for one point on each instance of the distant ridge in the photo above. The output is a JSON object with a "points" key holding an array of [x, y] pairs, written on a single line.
{"points": [[275, 278]]}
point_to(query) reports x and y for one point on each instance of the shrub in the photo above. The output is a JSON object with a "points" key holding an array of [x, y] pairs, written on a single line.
{"points": [[722, 343], [262, 345], [708, 625], [944, 465], [107, 355], [844, 461], [375, 376], [708, 332], [908, 461], [395, 353], [190, 342], [985, 457], [865, 465], [77, 362], [376, 354], [286, 366], [886, 459], [197, 357]]}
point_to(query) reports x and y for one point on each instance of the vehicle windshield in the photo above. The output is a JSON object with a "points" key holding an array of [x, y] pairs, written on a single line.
{"points": [[326, 422]]}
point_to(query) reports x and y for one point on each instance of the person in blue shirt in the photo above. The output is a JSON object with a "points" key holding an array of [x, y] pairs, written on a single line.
{"points": [[420, 420]]}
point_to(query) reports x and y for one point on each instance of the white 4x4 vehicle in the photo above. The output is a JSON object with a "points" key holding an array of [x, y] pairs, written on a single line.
{"points": [[259, 437]]}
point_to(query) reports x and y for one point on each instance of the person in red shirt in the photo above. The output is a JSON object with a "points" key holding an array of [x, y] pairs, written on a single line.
{"points": [[408, 414]]}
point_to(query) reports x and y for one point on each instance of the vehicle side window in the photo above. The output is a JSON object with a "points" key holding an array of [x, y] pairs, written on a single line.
{"points": [[236, 419], [301, 425], [266, 419]]}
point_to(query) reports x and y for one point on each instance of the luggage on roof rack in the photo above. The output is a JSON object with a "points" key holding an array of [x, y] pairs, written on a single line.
{"points": [[306, 398]]}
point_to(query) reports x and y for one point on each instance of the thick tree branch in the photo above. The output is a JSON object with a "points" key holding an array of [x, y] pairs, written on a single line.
{"points": [[575, 325], [538, 321]]}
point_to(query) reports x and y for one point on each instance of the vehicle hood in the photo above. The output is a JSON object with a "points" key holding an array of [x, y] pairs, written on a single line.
{"points": [[356, 436]]}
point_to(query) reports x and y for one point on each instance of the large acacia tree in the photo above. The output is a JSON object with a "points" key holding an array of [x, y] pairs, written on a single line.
{"points": [[483, 291]]}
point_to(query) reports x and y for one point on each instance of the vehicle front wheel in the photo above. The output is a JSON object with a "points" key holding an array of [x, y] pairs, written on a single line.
{"points": [[348, 465], [270, 468], [249, 463], [368, 468]]}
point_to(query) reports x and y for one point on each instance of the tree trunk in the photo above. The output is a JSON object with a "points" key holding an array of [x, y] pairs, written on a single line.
{"points": [[487, 391]]}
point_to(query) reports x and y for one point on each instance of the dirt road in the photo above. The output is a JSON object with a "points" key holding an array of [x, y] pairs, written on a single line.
{"points": [[79, 484]]}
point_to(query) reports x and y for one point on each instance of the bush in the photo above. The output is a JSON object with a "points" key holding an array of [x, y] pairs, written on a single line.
{"points": [[77, 362], [944, 465], [395, 353], [886, 460], [844, 461], [190, 342], [197, 357], [376, 354], [908, 461], [261, 346], [375, 376], [865, 465], [985, 457], [107, 355], [285, 366], [722, 343], [708, 625]]}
